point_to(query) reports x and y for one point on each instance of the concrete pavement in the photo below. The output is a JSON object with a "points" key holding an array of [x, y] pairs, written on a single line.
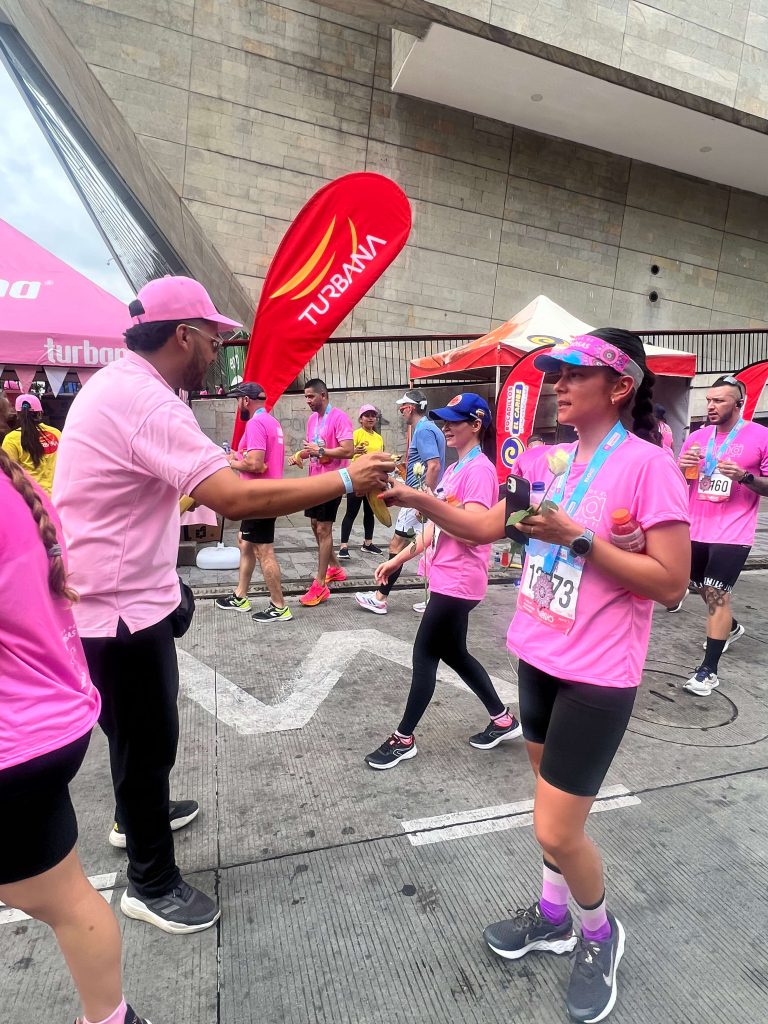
{"points": [[356, 896]]}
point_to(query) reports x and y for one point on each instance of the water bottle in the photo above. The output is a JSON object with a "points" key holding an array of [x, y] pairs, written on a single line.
{"points": [[692, 472], [626, 532], [538, 487], [227, 447]]}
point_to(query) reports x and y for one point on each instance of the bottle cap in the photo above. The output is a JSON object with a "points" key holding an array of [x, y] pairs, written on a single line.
{"points": [[538, 485], [621, 515]]}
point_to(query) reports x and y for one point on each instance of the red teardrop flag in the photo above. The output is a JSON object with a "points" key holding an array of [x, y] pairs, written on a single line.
{"points": [[333, 253]]}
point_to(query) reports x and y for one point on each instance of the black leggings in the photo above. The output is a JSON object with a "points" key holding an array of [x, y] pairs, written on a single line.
{"points": [[354, 501], [442, 636]]}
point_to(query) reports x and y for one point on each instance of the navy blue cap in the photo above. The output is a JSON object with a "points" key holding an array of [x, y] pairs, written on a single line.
{"points": [[247, 389], [466, 407]]}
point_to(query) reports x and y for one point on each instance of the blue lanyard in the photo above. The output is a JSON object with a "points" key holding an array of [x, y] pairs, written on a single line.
{"points": [[615, 436], [467, 458], [451, 472], [320, 425], [712, 457], [260, 411]]}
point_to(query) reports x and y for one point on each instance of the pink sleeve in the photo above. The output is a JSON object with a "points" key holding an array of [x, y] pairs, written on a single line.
{"points": [[255, 436], [479, 485], [343, 426], [661, 495], [764, 456], [170, 445]]}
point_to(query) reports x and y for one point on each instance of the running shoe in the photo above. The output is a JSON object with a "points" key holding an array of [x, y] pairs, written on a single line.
{"points": [[131, 1017], [492, 735], [273, 614], [344, 553], [391, 752], [527, 931], [702, 682], [420, 607], [592, 988], [181, 911], [370, 603], [372, 549], [233, 603], [733, 636], [315, 595], [180, 812], [335, 575]]}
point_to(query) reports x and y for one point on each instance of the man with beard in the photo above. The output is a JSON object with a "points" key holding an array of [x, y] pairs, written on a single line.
{"points": [[260, 456], [726, 465], [130, 447]]}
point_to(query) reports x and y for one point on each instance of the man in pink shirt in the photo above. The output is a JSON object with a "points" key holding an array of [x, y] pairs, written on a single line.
{"points": [[260, 456], [726, 466], [129, 449], [328, 447]]}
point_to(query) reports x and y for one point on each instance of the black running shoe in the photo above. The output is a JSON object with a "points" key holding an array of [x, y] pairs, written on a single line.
{"points": [[182, 910], [180, 813], [527, 931], [492, 735], [391, 751], [273, 614], [592, 988], [372, 549], [344, 553]]}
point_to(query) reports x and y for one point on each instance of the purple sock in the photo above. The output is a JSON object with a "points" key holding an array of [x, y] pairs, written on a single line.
{"points": [[595, 926], [554, 895]]}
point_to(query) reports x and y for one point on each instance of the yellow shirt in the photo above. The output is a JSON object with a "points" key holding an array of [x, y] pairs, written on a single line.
{"points": [[373, 442], [43, 474]]}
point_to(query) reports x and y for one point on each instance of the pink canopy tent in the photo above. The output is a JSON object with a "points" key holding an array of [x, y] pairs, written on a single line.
{"points": [[53, 317]]}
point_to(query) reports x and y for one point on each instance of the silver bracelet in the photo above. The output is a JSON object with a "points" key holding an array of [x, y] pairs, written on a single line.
{"points": [[346, 480]]}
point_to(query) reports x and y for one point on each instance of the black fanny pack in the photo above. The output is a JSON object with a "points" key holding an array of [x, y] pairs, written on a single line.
{"points": [[181, 618]]}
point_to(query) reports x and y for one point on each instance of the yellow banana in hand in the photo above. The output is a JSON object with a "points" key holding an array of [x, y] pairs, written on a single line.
{"points": [[380, 510]]}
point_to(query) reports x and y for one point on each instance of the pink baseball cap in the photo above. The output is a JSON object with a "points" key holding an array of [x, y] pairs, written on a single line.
{"points": [[367, 408], [30, 400], [176, 298]]}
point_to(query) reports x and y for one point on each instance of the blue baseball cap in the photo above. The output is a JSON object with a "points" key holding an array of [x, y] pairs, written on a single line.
{"points": [[466, 407]]}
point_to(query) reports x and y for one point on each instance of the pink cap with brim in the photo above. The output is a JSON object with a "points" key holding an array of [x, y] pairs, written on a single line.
{"points": [[176, 298], [31, 400], [367, 408]]}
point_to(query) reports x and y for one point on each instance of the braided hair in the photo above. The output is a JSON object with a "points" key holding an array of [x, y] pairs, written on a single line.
{"points": [[644, 423], [57, 577]]}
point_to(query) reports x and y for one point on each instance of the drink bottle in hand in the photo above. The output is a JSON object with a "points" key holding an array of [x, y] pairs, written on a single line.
{"points": [[626, 532]]}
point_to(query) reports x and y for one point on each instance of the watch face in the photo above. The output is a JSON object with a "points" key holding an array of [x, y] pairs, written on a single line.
{"points": [[581, 546]]}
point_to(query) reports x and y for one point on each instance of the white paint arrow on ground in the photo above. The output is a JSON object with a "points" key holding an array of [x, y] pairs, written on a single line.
{"points": [[478, 822], [322, 668], [103, 883]]}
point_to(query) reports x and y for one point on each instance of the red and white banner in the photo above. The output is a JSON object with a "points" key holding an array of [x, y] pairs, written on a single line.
{"points": [[754, 378], [333, 253], [516, 411]]}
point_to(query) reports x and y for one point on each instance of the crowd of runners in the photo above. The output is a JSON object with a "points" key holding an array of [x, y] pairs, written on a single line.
{"points": [[90, 637]]}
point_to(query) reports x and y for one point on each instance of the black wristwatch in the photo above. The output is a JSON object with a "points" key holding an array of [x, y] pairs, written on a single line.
{"points": [[582, 545], [321, 452], [748, 478]]}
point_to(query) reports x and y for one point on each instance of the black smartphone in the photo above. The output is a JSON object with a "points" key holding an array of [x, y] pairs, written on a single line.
{"points": [[517, 497]]}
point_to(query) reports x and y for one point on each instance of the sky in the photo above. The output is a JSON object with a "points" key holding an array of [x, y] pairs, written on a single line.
{"points": [[37, 198]]}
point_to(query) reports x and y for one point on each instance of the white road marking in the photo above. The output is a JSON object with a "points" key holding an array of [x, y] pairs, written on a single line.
{"points": [[482, 820], [104, 884], [321, 669]]}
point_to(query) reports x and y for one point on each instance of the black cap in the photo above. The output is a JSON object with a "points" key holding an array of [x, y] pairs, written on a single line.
{"points": [[247, 389]]}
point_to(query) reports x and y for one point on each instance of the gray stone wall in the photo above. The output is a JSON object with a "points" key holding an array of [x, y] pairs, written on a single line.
{"points": [[248, 107]]}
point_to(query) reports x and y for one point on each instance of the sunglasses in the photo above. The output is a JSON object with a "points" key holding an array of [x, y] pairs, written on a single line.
{"points": [[216, 342]]}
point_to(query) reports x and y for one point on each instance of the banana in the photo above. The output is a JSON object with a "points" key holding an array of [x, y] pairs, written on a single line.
{"points": [[380, 510]]}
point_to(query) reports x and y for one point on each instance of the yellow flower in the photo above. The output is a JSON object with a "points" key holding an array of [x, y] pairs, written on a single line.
{"points": [[558, 461], [419, 469]]}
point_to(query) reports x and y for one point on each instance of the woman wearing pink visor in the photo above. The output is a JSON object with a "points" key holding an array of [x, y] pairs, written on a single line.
{"points": [[581, 632]]}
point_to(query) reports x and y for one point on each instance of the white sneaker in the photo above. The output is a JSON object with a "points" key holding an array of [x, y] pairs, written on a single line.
{"points": [[733, 636], [420, 607], [370, 603], [702, 683]]}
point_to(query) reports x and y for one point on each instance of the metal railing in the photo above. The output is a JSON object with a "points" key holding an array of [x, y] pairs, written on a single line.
{"points": [[357, 364]]}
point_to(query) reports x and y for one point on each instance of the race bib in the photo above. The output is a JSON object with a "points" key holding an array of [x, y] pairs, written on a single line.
{"points": [[551, 599], [714, 488]]}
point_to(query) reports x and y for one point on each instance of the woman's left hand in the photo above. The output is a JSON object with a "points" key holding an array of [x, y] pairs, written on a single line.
{"points": [[552, 526]]}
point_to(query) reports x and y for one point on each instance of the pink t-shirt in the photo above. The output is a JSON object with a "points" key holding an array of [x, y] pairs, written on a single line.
{"points": [[263, 433], [333, 428], [732, 521], [527, 458], [47, 699], [667, 438], [608, 642], [129, 449], [456, 569]]}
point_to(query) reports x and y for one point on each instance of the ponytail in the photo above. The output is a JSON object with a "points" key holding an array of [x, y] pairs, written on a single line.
{"points": [[57, 577]]}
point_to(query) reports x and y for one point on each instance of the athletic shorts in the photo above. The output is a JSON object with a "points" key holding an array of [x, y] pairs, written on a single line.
{"points": [[35, 806], [325, 513], [407, 522], [258, 531], [581, 726], [717, 565]]}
